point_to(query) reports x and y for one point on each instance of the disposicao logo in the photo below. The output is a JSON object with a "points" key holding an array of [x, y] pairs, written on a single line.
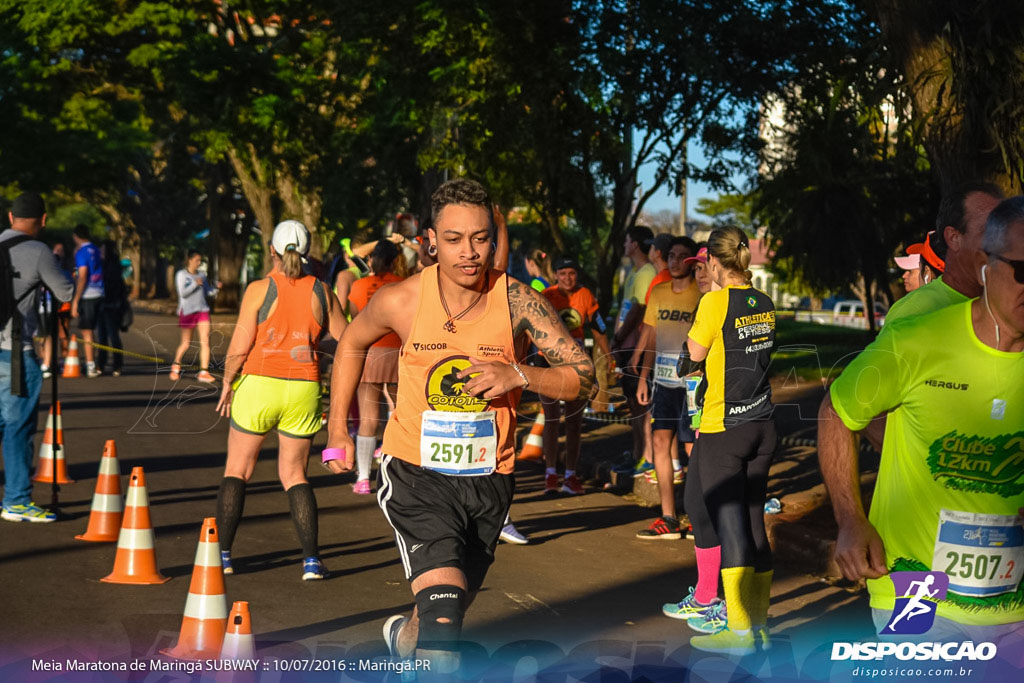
{"points": [[917, 596]]}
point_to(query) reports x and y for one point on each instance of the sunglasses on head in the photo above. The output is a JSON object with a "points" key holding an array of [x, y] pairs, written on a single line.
{"points": [[1017, 265]]}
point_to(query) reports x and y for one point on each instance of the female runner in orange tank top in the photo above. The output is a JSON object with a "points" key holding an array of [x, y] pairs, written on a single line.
{"points": [[379, 383], [280, 324]]}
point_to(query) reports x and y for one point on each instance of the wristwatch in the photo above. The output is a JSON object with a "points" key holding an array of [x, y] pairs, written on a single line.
{"points": [[519, 371]]}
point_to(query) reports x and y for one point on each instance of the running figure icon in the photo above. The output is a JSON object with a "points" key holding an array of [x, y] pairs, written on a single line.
{"points": [[916, 606]]}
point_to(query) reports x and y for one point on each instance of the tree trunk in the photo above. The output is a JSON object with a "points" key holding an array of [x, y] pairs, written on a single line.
{"points": [[302, 204], [960, 147], [256, 188]]}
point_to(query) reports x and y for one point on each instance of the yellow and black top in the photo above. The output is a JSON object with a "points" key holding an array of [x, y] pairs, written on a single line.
{"points": [[737, 326]]}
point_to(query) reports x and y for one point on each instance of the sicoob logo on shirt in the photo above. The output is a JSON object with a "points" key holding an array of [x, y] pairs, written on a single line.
{"points": [[444, 387], [917, 595]]}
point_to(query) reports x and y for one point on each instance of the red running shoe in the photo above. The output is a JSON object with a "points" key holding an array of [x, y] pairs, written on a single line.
{"points": [[551, 483], [573, 486]]}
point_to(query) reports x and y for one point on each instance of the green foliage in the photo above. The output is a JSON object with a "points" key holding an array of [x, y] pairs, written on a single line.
{"points": [[845, 180], [64, 217], [728, 209]]}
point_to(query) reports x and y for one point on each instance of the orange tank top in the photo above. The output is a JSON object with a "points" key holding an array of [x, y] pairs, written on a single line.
{"points": [[362, 290], [286, 336], [430, 359]]}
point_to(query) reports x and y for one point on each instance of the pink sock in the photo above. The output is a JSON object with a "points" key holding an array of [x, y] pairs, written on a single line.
{"points": [[709, 562]]}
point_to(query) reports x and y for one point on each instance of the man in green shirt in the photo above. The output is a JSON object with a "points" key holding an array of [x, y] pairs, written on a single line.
{"points": [[627, 338], [959, 229], [950, 491]]}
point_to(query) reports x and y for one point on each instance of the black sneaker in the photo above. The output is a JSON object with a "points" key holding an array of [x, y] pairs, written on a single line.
{"points": [[663, 528]]}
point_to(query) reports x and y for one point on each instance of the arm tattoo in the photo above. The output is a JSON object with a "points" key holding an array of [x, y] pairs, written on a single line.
{"points": [[534, 315]]}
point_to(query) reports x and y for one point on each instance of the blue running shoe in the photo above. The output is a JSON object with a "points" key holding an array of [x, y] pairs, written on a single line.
{"points": [[642, 468], [510, 534], [687, 608], [313, 569], [712, 620], [28, 513], [392, 627], [225, 561]]}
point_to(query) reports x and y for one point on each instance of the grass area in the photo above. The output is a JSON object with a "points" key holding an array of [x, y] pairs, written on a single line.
{"points": [[815, 352]]}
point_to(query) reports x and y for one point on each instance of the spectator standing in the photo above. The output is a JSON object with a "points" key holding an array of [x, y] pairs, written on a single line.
{"points": [[627, 338], [193, 313], [88, 293], [20, 376], [115, 298]]}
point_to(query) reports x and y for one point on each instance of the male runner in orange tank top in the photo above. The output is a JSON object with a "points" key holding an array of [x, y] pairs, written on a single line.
{"points": [[446, 478]]}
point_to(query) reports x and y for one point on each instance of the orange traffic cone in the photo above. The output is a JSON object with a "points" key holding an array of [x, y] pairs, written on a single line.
{"points": [[51, 458], [206, 608], [107, 506], [238, 641], [72, 368], [533, 445], [136, 556]]}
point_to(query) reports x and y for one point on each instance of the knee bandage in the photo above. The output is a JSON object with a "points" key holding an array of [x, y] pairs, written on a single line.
{"points": [[440, 611]]}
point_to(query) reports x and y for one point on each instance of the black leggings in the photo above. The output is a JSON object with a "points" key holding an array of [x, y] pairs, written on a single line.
{"points": [[733, 475], [704, 535]]}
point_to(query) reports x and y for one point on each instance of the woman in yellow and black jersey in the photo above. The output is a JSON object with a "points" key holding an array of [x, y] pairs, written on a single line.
{"points": [[734, 333]]}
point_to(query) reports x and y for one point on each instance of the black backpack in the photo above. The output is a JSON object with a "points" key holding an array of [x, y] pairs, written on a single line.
{"points": [[9, 311]]}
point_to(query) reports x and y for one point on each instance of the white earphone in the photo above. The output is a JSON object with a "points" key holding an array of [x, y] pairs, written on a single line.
{"points": [[984, 294]]}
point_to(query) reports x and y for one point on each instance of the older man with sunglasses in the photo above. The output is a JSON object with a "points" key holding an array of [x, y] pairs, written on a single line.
{"points": [[949, 499]]}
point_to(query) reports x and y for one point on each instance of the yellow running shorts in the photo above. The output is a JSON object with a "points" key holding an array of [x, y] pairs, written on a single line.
{"points": [[262, 403]]}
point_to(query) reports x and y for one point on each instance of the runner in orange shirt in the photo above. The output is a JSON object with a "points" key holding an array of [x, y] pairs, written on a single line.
{"points": [[578, 309], [446, 476], [379, 382]]}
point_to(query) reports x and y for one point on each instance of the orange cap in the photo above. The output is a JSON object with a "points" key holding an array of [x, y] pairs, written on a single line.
{"points": [[927, 253]]}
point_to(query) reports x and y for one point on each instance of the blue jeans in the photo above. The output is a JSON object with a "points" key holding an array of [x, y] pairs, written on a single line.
{"points": [[18, 427]]}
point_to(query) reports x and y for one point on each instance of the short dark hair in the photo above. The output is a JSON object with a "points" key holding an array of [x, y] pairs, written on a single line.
{"points": [[81, 231], [460, 191], [951, 211], [686, 242], [192, 252], [383, 256], [640, 233], [28, 205]]}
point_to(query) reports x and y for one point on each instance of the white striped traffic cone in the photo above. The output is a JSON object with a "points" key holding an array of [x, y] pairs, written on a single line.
{"points": [[52, 458], [238, 641], [72, 368], [136, 554], [206, 608], [107, 506], [533, 445]]}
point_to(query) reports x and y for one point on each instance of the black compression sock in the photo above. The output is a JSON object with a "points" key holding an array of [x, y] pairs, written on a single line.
{"points": [[304, 515], [230, 503]]}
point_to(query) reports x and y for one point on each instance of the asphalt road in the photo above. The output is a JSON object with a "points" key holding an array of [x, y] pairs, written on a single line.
{"points": [[584, 587]]}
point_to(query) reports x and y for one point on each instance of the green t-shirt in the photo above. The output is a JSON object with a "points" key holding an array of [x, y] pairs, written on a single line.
{"points": [[951, 477], [927, 299]]}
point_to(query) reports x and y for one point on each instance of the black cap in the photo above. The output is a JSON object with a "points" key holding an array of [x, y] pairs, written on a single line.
{"points": [[566, 262], [28, 205], [662, 242]]}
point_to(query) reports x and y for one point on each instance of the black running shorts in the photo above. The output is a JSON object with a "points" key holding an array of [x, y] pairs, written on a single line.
{"points": [[443, 521], [668, 405], [88, 313]]}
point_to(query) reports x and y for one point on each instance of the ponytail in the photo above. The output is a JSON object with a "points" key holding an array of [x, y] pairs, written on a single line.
{"points": [[291, 263], [731, 247]]}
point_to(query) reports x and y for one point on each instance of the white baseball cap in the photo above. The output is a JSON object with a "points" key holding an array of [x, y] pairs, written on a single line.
{"points": [[290, 234], [908, 262]]}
